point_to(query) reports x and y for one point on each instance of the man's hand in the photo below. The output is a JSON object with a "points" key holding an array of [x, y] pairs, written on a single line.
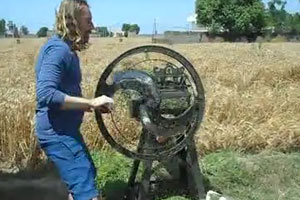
{"points": [[102, 103], [161, 139]]}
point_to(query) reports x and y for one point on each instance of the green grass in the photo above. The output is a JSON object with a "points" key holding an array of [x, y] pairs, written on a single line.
{"points": [[264, 176], [113, 173]]}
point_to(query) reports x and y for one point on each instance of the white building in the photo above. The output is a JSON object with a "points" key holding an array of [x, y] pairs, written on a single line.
{"points": [[193, 26], [9, 34], [117, 33]]}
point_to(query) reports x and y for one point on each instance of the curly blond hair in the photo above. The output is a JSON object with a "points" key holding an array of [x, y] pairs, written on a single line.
{"points": [[66, 24]]}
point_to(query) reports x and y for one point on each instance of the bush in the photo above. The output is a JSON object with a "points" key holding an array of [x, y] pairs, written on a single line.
{"points": [[260, 39], [42, 32], [218, 39], [279, 38]]}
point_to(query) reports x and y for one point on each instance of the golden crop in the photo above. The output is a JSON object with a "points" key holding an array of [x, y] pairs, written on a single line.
{"points": [[252, 94]]}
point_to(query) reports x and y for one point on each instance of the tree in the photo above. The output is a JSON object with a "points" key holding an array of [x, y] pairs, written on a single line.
{"points": [[277, 16], [294, 24], [236, 17], [11, 26], [126, 28], [13, 29], [280, 20], [134, 28], [24, 30], [42, 32], [2, 27], [16, 32], [130, 28], [102, 31]]}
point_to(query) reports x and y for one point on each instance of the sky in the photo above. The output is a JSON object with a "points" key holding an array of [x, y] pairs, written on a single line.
{"points": [[169, 14]]}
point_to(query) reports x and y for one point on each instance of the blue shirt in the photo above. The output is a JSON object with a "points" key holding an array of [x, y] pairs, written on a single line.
{"points": [[57, 75]]}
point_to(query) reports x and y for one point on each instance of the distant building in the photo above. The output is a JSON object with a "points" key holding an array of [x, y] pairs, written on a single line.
{"points": [[193, 26], [194, 33], [9, 34], [94, 34], [132, 34], [118, 33], [12, 30]]}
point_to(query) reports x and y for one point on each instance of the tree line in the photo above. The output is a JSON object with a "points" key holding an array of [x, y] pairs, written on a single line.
{"points": [[230, 18], [126, 28], [251, 18], [10, 29]]}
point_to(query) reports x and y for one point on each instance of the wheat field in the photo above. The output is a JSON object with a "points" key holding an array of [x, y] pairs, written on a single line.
{"points": [[252, 94]]}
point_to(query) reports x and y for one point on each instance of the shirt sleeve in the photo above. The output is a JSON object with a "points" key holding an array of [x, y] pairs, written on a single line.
{"points": [[50, 75]]}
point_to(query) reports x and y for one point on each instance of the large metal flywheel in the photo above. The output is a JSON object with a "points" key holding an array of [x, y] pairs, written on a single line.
{"points": [[159, 98]]}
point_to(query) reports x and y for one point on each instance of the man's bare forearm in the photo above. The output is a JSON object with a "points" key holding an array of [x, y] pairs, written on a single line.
{"points": [[103, 103], [76, 103]]}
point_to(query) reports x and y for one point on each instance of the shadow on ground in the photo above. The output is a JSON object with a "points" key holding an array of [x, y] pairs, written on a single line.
{"points": [[45, 184], [41, 184], [164, 189]]}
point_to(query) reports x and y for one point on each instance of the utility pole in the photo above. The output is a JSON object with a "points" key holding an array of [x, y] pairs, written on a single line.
{"points": [[154, 33]]}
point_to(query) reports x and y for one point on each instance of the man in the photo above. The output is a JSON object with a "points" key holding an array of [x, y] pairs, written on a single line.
{"points": [[60, 106]]}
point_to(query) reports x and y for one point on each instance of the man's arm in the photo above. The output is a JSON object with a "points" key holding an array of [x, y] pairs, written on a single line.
{"points": [[49, 78], [76, 103], [103, 103]]}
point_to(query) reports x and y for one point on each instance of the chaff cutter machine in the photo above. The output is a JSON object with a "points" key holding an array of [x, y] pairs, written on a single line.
{"points": [[159, 105]]}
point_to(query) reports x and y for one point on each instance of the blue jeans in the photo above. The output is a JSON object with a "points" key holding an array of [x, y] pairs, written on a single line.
{"points": [[74, 163]]}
